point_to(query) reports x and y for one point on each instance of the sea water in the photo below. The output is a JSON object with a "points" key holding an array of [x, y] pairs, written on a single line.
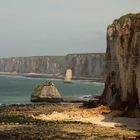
{"points": [[18, 89]]}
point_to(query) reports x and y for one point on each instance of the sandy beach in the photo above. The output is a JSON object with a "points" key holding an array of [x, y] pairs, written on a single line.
{"points": [[65, 121]]}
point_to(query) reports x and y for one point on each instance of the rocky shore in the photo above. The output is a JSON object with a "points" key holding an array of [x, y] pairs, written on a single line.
{"points": [[62, 121]]}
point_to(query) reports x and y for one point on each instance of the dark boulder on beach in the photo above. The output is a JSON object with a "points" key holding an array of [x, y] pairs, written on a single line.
{"points": [[46, 92]]}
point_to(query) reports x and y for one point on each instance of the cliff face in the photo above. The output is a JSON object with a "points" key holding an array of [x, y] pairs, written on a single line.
{"points": [[122, 86], [83, 65], [36, 64], [86, 65]]}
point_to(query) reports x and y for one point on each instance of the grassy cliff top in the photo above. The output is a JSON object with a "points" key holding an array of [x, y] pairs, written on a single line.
{"points": [[58, 59], [130, 15], [86, 53]]}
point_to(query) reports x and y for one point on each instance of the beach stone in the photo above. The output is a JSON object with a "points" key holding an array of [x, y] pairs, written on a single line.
{"points": [[11, 123], [120, 125], [3, 123], [16, 123]]}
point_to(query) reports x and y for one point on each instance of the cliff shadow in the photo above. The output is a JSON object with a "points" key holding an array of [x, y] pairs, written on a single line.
{"points": [[115, 119]]}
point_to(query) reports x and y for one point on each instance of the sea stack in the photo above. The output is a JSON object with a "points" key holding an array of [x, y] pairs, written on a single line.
{"points": [[122, 85], [47, 92], [68, 77], [86, 65]]}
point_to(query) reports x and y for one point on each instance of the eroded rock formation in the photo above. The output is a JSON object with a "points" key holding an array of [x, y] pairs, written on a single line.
{"points": [[122, 86], [86, 65], [46, 92]]}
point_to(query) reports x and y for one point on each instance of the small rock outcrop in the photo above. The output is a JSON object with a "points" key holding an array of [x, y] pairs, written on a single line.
{"points": [[122, 86], [46, 92]]}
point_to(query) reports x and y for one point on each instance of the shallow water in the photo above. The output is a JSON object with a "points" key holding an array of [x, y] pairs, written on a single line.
{"points": [[17, 89]]}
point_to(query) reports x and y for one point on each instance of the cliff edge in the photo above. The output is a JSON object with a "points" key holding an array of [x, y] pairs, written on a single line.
{"points": [[122, 85]]}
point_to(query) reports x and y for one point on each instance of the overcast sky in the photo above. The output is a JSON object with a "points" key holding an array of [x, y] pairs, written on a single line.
{"points": [[58, 27]]}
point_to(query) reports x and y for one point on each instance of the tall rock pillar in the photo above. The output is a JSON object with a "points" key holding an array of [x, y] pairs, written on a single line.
{"points": [[122, 85]]}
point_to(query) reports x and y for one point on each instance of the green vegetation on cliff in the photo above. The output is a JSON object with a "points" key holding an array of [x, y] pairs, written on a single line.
{"points": [[58, 59], [130, 15]]}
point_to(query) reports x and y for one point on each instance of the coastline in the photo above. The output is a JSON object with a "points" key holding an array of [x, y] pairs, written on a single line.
{"points": [[33, 75], [54, 76], [28, 84]]}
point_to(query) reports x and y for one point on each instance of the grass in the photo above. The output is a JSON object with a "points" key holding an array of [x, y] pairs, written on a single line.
{"points": [[130, 15], [58, 59]]}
